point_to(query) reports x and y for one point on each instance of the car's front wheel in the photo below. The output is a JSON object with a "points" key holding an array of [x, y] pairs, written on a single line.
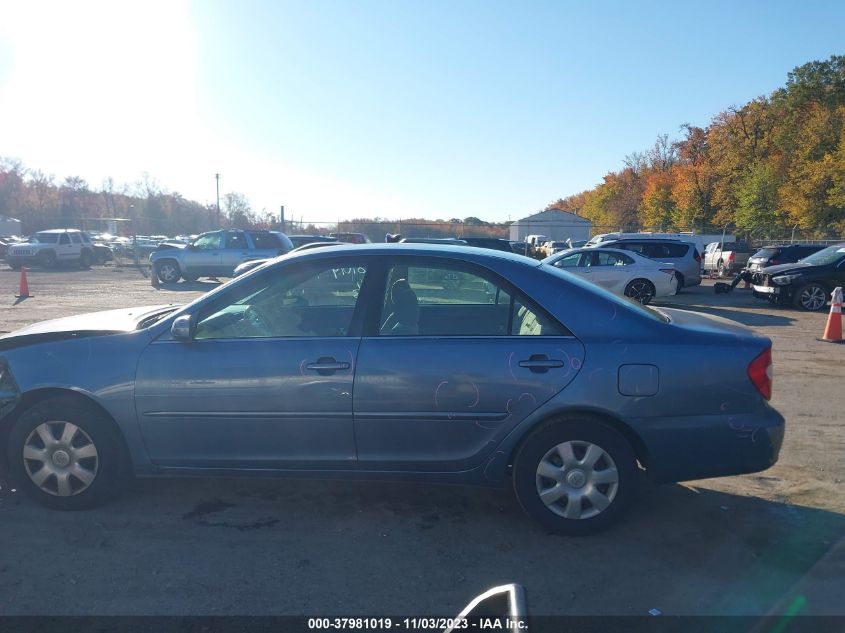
{"points": [[167, 271], [576, 476], [812, 297], [67, 454], [641, 290]]}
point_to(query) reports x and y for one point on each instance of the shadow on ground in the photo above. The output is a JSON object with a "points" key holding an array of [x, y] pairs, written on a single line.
{"points": [[398, 548]]}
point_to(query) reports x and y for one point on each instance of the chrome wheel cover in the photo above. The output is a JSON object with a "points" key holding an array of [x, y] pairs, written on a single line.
{"points": [[60, 458], [577, 480]]}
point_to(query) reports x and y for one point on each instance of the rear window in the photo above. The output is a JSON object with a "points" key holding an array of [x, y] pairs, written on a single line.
{"points": [[627, 304], [266, 240], [768, 253], [737, 247]]}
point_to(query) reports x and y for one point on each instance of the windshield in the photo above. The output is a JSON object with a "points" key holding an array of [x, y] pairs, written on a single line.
{"points": [[829, 255], [45, 238]]}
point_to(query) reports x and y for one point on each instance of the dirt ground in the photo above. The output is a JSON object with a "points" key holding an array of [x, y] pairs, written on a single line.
{"points": [[738, 545]]}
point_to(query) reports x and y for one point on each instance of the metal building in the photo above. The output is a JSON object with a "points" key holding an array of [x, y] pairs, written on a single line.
{"points": [[557, 225]]}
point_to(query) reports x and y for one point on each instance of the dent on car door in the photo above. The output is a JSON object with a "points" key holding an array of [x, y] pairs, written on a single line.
{"points": [[456, 360], [266, 381]]}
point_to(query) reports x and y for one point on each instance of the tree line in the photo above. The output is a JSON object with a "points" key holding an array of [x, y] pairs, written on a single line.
{"points": [[773, 164], [40, 201]]}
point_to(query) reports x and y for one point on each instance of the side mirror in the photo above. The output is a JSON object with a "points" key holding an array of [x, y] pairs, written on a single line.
{"points": [[181, 328]]}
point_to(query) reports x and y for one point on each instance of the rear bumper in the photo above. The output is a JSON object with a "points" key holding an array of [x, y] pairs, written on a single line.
{"points": [[699, 447]]}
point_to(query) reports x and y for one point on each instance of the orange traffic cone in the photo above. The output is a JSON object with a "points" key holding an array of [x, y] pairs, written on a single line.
{"points": [[24, 290], [833, 329]]}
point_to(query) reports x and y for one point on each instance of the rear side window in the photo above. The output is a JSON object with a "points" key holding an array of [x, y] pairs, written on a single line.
{"points": [[603, 258], [85, 238], [235, 239], [265, 240], [444, 300], [669, 250], [76, 239], [64, 239]]}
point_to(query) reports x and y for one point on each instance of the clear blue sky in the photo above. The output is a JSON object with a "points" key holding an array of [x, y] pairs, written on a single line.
{"points": [[339, 108]]}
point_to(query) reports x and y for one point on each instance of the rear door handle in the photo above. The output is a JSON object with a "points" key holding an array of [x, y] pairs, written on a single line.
{"points": [[540, 363], [327, 365]]}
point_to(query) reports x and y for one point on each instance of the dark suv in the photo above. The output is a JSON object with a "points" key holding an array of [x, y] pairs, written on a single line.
{"points": [[774, 255], [683, 255]]}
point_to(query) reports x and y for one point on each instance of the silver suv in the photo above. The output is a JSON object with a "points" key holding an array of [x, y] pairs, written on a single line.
{"points": [[216, 254]]}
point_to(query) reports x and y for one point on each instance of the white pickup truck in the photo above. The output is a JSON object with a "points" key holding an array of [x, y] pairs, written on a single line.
{"points": [[726, 258]]}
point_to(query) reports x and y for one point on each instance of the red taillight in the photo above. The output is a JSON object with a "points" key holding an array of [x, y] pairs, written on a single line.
{"points": [[760, 373], [731, 257]]}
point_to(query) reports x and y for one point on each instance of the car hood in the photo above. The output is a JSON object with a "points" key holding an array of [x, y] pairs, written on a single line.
{"points": [[91, 324], [780, 269]]}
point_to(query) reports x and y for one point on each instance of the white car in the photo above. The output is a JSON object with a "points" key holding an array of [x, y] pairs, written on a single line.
{"points": [[622, 272]]}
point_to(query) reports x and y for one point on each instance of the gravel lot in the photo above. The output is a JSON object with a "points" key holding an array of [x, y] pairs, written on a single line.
{"points": [[736, 545]]}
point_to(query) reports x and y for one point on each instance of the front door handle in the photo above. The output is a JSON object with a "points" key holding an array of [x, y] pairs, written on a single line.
{"points": [[540, 363], [327, 365]]}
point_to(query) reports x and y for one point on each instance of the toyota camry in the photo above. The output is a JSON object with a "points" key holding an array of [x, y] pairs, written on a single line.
{"points": [[435, 363]]}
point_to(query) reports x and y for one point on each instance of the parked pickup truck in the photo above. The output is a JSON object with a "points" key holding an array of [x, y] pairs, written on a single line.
{"points": [[216, 254], [726, 258]]}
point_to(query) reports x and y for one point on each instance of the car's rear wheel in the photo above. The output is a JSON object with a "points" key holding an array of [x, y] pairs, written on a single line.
{"points": [[67, 455], [811, 297], [47, 259], [167, 271], [641, 290], [576, 476]]}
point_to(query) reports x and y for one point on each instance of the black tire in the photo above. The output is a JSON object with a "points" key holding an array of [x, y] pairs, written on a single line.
{"points": [[47, 259], [167, 271], [111, 464], [811, 297], [641, 290], [189, 277], [527, 482], [85, 259]]}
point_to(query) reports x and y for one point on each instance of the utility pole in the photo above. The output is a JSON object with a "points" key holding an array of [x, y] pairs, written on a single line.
{"points": [[282, 218], [217, 178]]}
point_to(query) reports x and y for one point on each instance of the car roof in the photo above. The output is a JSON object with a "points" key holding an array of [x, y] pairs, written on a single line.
{"points": [[446, 250]]}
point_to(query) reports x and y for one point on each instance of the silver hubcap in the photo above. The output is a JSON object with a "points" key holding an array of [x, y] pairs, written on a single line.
{"points": [[60, 458], [641, 292], [577, 480], [168, 272], [813, 298]]}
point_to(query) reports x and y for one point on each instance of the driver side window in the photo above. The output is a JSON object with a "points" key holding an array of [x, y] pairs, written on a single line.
{"points": [[309, 300]]}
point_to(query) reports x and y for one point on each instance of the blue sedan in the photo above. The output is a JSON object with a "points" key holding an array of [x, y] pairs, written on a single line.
{"points": [[437, 363]]}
